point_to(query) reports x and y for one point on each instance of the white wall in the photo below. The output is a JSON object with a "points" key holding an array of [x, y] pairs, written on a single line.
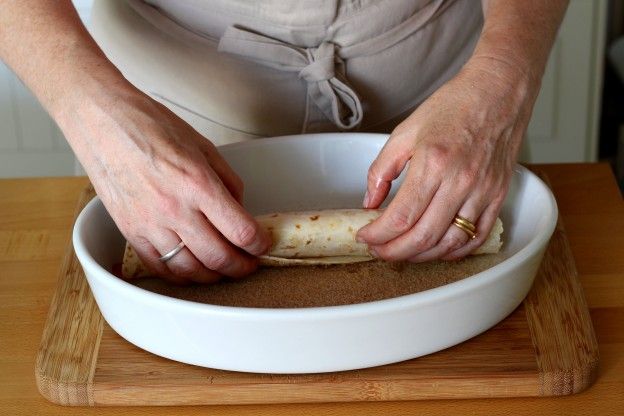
{"points": [[565, 122], [30, 142]]}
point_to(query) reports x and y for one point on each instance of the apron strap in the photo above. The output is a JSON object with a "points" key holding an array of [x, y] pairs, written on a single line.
{"points": [[321, 67]]}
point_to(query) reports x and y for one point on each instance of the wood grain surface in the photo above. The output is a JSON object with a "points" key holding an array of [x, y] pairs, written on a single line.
{"points": [[66, 360], [546, 347], [36, 215]]}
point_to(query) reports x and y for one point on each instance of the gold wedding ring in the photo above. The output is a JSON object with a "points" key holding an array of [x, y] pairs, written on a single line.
{"points": [[465, 225]]}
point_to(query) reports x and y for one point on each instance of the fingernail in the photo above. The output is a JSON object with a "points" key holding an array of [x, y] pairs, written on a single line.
{"points": [[373, 252], [366, 199]]}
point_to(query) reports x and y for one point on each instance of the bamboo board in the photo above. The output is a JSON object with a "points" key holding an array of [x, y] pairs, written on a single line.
{"points": [[546, 347]]}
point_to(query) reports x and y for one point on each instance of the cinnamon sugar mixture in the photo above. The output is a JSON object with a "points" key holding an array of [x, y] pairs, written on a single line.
{"points": [[307, 286]]}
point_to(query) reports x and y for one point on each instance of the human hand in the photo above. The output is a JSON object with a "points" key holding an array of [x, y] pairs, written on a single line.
{"points": [[162, 183], [459, 147]]}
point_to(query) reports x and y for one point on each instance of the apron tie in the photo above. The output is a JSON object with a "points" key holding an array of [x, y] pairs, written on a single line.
{"points": [[321, 68]]}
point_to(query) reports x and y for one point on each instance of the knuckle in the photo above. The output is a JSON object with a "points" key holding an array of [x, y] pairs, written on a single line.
{"points": [[467, 178], [246, 235], [438, 155], [202, 184], [389, 163], [169, 206], [374, 172], [423, 240], [218, 261], [193, 172], [400, 219], [453, 243], [455, 257], [401, 147]]}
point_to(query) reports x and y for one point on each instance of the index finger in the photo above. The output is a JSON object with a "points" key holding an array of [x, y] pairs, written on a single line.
{"points": [[233, 221], [410, 202]]}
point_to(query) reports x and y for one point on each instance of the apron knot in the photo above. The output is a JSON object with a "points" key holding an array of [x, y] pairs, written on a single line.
{"points": [[321, 67], [321, 63]]}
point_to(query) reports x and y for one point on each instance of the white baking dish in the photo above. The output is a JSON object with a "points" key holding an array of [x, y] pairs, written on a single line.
{"points": [[308, 172]]}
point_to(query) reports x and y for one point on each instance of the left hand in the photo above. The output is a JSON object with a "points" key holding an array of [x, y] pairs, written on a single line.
{"points": [[461, 145]]}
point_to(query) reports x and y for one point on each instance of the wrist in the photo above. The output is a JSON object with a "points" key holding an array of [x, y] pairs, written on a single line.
{"points": [[496, 95], [506, 66], [518, 54], [90, 105], [83, 76], [89, 99], [502, 80]]}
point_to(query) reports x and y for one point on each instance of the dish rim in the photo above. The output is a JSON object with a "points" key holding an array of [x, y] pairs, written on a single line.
{"points": [[389, 305]]}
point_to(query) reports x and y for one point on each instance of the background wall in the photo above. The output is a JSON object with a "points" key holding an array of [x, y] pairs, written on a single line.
{"points": [[563, 129], [565, 122], [30, 142]]}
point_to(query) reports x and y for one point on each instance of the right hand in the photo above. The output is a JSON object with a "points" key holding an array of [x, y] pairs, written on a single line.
{"points": [[163, 182]]}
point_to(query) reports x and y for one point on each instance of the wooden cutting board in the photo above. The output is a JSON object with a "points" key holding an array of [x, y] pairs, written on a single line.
{"points": [[546, 347]]}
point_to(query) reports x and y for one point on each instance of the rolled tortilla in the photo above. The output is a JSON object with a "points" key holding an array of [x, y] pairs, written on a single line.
{"points": [[317, 234], [314, 238], [312, 261], [328, 237], [132, 266]]}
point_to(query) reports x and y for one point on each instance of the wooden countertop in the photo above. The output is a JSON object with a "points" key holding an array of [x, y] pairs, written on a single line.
{"points": [[35, 223]]}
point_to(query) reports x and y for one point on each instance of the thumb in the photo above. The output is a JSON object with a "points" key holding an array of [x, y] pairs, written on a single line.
{"points": [[388, 165]]}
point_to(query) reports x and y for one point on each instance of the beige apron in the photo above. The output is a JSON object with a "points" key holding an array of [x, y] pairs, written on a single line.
{"points": [[239, 69]]}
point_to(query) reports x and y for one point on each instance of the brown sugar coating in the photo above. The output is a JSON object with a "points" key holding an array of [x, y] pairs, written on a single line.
{"points": [[308, 286]]}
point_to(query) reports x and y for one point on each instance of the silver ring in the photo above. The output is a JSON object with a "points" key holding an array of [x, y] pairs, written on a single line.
{"points": [[172, 253]]}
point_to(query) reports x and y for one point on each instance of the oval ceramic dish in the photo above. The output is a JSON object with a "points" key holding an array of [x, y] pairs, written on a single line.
{"points": [[311, 172]]}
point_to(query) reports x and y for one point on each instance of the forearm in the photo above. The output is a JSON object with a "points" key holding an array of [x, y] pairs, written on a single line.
{"points": [[517, 36], [47, 46]]}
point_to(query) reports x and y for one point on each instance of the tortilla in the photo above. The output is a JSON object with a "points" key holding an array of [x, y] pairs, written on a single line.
{"points": [[494, 242], [317, 234], [132, 266], [314, 238], [312, 261]]}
